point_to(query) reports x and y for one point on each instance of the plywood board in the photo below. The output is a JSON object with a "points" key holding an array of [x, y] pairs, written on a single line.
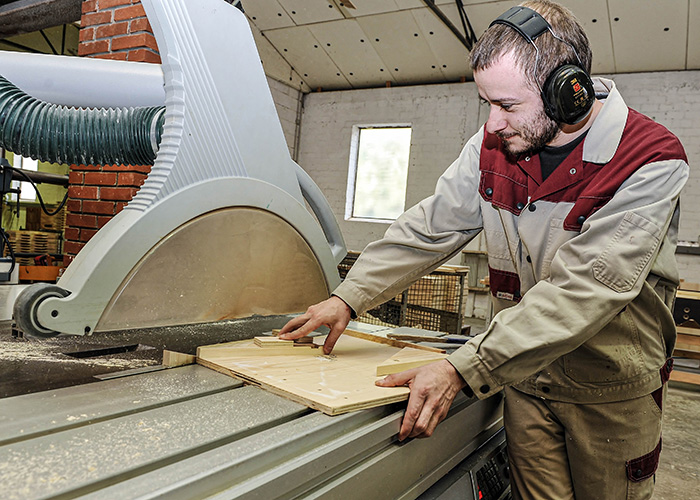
{"points": [[334, 384]]}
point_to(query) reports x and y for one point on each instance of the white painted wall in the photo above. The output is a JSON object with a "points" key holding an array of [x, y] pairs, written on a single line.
{"points": [[443, 117], [288, 102]]}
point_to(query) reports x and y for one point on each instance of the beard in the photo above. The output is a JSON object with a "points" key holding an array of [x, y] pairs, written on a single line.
{"points": [[536, 135]]}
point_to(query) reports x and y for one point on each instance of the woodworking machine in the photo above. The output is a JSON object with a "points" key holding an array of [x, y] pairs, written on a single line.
{"points": [[226, 239]]}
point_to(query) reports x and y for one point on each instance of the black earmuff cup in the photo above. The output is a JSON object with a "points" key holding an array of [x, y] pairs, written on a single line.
{"points": [[568, 94]]}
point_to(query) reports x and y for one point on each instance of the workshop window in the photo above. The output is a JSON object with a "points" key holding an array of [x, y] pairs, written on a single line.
{"points": [[28, 193], [378, 172]]}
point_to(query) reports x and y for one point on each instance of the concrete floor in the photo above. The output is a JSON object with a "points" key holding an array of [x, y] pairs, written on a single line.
{"points": [[678, 476]]}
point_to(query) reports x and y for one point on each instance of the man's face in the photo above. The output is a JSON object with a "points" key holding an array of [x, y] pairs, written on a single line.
{"points": [[517, 113]]}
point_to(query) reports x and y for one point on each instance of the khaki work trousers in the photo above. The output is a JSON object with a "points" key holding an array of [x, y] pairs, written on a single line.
{"points": [[562, 451]]}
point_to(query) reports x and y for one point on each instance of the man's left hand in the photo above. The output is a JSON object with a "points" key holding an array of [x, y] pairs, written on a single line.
{"points": [[433, 388]]}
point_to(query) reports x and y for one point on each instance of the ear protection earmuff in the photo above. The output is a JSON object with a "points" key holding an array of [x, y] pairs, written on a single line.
{"points": [[567, 92]]}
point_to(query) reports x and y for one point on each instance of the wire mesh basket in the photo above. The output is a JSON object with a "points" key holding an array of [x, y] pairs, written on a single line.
{"points": [[434, 302]]}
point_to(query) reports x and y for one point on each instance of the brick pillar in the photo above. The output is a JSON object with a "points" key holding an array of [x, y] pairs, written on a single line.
{"points": [[117, 29], [110, 29]]}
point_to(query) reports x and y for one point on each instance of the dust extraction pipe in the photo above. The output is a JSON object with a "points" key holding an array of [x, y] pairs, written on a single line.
{"points": [[95, 136]]}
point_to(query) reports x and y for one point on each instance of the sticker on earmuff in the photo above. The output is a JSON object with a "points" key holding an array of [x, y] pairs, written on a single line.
{"points": [[580, 93]]}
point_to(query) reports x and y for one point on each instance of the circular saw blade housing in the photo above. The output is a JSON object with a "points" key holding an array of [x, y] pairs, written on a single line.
{"points": [[231, 263]]}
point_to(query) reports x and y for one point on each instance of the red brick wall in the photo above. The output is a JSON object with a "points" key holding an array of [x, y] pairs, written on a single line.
{"points": [[110, 29], [117, 29]]}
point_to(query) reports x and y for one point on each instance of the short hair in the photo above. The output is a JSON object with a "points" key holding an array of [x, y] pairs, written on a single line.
{"points": [[501, 39]]}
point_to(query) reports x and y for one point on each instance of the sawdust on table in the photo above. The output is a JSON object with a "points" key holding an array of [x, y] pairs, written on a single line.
{"points": [[44, 351]]}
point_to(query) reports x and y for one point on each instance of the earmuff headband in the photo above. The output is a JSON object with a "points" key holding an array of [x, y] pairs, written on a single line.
{"points": [[525, 21]]}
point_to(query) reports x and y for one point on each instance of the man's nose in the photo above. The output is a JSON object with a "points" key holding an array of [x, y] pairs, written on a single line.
{"points": [[496, 121]]}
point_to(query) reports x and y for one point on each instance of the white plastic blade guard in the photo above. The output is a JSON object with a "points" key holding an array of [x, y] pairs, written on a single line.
{"points": [[222, 147]]}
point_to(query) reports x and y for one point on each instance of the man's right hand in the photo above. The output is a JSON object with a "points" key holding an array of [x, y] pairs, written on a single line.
{"points": [[333, 313]]}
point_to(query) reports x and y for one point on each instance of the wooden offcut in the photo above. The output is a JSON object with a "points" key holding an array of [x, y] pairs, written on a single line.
{"points": [[337, 383], [172, 359], [268, 343]]}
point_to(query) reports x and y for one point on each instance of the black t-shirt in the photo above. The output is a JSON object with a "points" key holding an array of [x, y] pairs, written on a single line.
{"points": [[552, 157]]}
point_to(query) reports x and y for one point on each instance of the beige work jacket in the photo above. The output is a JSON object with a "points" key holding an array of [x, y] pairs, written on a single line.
{"points": [[582, 266]]}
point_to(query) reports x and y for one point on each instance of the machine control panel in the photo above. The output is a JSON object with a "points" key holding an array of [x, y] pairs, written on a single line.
{"points": [[492, 478], [483, 475]]}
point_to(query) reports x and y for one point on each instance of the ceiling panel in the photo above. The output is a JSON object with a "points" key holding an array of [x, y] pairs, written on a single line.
{"points": [[481, 15], [593, 16], [409, 4], [401, 45], [311, 11], [275, 65], [693, 58], [369, 7], [406, 43], [655, 41], [451, 57], [299, 47], [267, 14], [346, 43]]}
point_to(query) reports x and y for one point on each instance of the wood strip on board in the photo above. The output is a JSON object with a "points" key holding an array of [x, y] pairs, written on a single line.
{"points": [[392, 342], [406, 359]]}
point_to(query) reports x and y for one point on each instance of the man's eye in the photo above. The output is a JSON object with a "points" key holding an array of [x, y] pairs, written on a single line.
{"points": [[506, 107]]}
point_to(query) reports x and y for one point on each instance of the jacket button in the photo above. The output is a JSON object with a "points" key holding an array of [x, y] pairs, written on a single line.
{"points": [[545, 389], [581, 219], [529, 259], [489, 191], [532, 207], [638, 473], [484, 389], [520, 205]]}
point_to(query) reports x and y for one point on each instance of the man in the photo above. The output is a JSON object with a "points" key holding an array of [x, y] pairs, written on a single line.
{"points": [[578, 199]]}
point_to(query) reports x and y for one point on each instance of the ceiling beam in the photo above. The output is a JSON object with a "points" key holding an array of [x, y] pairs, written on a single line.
{"points": [[467, 41], [25, 16]]}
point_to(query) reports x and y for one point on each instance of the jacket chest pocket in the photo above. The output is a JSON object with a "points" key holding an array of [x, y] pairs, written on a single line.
{"points": [[613, 355]]}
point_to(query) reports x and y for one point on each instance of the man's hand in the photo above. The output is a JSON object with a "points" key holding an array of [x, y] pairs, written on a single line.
{"points": [[433, 388], [333, 313]]}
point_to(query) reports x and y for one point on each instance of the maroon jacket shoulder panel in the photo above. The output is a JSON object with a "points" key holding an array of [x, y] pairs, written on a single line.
{"points": [[643, 142], [504, 184]]}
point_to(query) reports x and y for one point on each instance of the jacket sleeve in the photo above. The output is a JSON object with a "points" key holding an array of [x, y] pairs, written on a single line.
{"points": [[593, 277], [421, 239]]}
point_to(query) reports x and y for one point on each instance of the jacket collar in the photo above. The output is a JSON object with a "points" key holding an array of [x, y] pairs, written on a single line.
{"points": [[606, 132]]}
